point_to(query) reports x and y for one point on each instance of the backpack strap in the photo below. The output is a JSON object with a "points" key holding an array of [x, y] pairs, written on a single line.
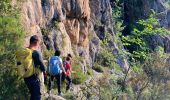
{"points": [[48, 68]]}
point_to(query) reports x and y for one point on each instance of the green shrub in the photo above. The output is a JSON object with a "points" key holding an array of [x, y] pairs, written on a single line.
{"points": [[69, 96], [56, 24], [11, 38], [47, 54], [138, 42], [78, 76], [98, 68], [106, 58], [90, 72], [45, 31], [152, 78]]}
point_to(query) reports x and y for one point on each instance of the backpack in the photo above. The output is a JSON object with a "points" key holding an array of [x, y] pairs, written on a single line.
{"points": [[25, 65], [54, 66], [64, 65]]}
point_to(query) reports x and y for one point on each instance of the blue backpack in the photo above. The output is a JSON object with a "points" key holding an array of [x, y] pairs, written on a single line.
{"points": [[54, 65]]}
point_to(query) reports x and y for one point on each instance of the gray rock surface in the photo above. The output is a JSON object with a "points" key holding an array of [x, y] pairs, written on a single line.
{"points": [[73, 26]]}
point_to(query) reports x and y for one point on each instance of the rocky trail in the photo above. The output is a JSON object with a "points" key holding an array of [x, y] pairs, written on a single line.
{"points": [[76, 89]]}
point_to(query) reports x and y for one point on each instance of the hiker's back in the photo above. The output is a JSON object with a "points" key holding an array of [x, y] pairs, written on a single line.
{"points": [[25, 62], [54, 65]]}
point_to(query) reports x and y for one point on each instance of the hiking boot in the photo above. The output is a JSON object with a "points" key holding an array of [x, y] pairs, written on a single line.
{"points": [[60, 94]]}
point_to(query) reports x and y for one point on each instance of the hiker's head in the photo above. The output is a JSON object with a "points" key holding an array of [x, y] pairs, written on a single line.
{"points": [[69, 55], [57, 53], [68, 58], [34, 41]]}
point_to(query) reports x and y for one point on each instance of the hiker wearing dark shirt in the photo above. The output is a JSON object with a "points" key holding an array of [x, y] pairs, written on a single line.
{"points": [[33, 82]]}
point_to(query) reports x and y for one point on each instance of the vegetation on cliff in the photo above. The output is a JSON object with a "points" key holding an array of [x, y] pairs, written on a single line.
{"points": [[146, 78], [11, 38]]}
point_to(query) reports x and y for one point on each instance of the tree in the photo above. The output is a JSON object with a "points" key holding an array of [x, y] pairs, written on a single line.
{"points": [[11, 38]]}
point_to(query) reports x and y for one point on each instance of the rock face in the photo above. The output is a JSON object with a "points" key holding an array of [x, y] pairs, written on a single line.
{"points": [[141, 9], [73, 26], [136, 9], [78, 26]]}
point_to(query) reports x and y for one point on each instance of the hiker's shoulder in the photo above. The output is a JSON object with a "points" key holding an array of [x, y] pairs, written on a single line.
{"points": [[36, 53], [67, 65], [60, 59]]}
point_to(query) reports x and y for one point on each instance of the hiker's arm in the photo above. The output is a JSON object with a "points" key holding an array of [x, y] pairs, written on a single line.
{"points": [[69, 69], [61, 66], [39, 61]]}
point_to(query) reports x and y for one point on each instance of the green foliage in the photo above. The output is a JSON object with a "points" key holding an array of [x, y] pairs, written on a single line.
{"points": [[45, 31], [98, 68], [106, 58], [90, 72], [69, 96], [78, 59], [152, 80], [78, 76], [5, 7], [148, 68], [56, 24], [106, 87], [47, 54], [117, 14], [138, 42], [11, 38]]}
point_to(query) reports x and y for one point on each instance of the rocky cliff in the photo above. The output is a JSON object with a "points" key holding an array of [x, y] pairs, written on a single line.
{"points": [[73, 26], [141, 9], [85, 28]]}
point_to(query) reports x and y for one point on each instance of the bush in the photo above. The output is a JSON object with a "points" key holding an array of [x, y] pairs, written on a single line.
{"points": [[106, 58], [69, 96], [45, 31], [78, 76], [151, 80], [90, 72], [98, 68], [47, 54], [11, 38], [138, 42]]}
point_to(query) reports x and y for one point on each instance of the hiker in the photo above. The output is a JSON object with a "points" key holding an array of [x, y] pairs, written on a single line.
{"points": [[64, 64], [55, 70], [68, 55], [68, 69], [29, 63]]}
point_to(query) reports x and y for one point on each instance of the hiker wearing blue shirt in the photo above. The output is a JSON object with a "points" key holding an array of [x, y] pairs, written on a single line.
{"points": [[55, 70]]}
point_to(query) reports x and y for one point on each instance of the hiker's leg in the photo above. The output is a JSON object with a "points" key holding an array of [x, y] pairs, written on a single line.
{"points": [[58, 77], [69, 82], [49, 83], [63, 76], [28, 83], [36, 95]]}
